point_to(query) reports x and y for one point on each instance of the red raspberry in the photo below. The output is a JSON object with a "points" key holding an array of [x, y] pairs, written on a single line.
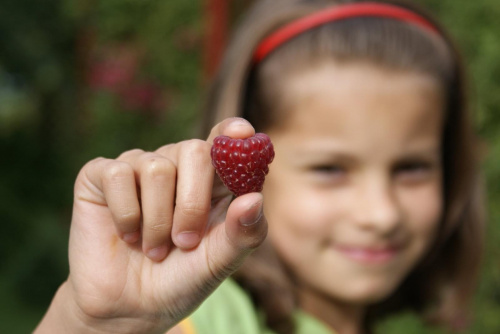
{"points": [[242, 163]]}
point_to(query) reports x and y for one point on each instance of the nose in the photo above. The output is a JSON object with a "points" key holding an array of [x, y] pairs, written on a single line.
{"points": [[378, 207]]}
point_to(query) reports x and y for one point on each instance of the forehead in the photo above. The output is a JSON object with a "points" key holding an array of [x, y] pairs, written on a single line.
{"points": [[359, 100]]}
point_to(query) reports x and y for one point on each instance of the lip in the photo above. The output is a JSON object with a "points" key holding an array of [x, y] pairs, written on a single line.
{"points": [[369, 255]]}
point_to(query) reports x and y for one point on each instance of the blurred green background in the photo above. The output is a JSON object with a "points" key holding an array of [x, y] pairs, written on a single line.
{"points": [[81, 79]]}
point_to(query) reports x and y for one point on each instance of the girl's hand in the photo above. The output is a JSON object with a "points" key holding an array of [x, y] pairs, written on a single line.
{"points": [[152, 236]]}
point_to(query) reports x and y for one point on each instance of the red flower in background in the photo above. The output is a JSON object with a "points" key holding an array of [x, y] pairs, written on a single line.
{"points": [[116, 69], [113, 68], [142, 95]]}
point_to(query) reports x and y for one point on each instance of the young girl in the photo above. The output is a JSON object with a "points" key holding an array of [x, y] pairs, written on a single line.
{"points": [[373, 199]]}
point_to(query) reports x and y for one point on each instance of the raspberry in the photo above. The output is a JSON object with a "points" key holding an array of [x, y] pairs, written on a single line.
{"points": [[242, 163]]}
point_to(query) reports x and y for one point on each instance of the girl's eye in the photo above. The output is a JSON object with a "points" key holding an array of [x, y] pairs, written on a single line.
{"points": [[413, 171], [327, 169], [328, 173]]}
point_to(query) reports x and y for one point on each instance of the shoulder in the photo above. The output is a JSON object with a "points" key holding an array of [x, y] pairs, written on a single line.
{"points": [[228, 310], [308, 324]]}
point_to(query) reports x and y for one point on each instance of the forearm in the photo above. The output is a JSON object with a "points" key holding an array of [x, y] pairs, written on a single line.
{"points": [[61, 317], [64, 316]]}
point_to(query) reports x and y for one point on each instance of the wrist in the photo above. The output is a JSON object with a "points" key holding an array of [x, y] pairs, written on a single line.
{"points": [[65, 316]]}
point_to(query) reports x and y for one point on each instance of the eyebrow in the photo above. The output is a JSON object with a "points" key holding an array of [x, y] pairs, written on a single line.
{"points": [[317, 155], [341, 154], [434, 153]]}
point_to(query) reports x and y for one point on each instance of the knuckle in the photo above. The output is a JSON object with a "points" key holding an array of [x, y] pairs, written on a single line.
{"points": [[197, 147], [192, 209], [97, 160], [256, 240], [116, 170], [158, 166], [90, 164], [128, 218], [159, 227], [133, 152], [220, 271], [88, 178], [163, 150]]}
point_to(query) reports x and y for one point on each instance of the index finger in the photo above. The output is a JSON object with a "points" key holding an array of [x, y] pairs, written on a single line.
{"points": [[234, 127]]}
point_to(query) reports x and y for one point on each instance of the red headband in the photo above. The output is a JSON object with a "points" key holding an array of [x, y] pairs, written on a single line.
{"points": [[339, 12]]}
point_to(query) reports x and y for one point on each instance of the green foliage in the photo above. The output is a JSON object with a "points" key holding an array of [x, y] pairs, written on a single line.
{"points": [[58, 109], [55, 116]]}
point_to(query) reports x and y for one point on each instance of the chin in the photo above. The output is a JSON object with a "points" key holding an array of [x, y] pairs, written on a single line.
{"points": [[365, 293]]}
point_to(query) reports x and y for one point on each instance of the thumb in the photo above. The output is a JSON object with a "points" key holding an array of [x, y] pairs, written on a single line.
{"points": [[245, 228], [234, 127]]}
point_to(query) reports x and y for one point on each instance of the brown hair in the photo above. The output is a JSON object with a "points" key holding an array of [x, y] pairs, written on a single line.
{"points": [[440, 287]]}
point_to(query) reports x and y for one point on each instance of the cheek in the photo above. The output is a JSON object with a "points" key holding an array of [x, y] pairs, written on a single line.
{"points": [[298, 221], [424, 213], [298, 216], [294, 205]]}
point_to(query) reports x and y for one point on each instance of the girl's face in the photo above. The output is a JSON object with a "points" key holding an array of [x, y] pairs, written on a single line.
{"points": [[354, 195]]}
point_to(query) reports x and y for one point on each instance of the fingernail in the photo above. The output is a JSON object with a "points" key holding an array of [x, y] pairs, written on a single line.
{"points": [[238, 121], [157, 253], [187, 240], [252, 215], [236, 126], [131, 237]]}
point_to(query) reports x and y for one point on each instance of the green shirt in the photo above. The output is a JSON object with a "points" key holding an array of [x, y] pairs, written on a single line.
{"points": [[229, 310]]}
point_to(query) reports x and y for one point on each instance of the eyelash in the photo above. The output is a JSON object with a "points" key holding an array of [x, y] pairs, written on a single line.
{"points": [[327, 169], [401, 169], [414, 170], [410, 172], [328, 173]]}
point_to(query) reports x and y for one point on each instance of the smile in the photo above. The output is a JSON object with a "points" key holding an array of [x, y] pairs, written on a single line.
{"points": [[368, 255]]}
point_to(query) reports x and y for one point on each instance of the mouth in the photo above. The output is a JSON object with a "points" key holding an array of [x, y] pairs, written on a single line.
{"points": [[369, 255]]}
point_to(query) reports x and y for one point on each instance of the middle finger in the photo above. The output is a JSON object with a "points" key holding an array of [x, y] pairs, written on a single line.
{"points": [[195, 176], [156, 177]]}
